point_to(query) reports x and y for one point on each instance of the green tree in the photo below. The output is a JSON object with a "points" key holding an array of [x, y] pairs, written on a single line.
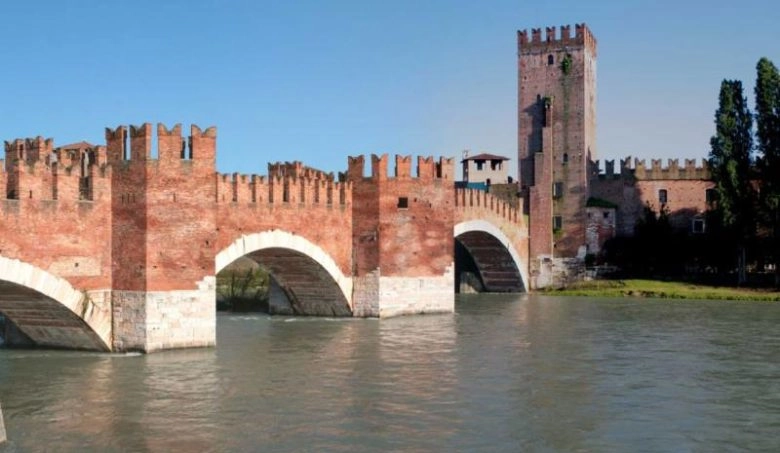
{"points": [[768, 136], [730, 163]]}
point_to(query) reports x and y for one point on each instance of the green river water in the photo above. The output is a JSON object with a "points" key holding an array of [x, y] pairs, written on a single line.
{"points": [[503, 374]]}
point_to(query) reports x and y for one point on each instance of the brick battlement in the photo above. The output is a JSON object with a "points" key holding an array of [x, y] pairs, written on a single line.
{"points": [[553, 41], [296, 169], [46, 176], [134, 143], [656, 171], [474, 198], [238, 188], [427, 168]]}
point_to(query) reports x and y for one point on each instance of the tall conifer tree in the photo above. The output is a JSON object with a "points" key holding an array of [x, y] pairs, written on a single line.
{"points": [[730, 163], [768, 134]]}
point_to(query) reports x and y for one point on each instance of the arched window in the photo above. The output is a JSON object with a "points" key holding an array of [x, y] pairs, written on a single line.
{"points": [[565, 158], [550, 60]]}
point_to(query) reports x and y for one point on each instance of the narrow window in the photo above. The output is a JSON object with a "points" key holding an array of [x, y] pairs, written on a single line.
{"points": [[550, 60], [403, 203], [557, 222], [565, 158], [710, 196], [662, 196], [557, 189]]}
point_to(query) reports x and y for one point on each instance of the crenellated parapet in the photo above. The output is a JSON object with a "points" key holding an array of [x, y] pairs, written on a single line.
{"points": [[279, 190], [428, 168], [638, 169], [482, 200], [296, 169], [535, 42], [35, 170], [28, 150], [133, 144]]}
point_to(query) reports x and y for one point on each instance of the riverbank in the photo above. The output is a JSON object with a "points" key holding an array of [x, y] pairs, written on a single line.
{"points": [[663, 289]]}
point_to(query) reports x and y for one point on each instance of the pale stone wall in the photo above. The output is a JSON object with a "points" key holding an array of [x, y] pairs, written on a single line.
{"points": [[547, 272], [129, 320], [417, 295], [365, 298], [2, 428], [156, 320]]}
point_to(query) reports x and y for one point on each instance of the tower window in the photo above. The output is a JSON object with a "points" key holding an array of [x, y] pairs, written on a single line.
{"points": [[403, 203], [565, 158], [557, 189], [550, 60], [557, 222], [662, 196]]}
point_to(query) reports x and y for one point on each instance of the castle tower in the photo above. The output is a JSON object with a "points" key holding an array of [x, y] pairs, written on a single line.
{"points": [[556, 135]]}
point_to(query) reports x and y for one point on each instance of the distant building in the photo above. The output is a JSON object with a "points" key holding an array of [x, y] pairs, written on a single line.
{"points": [[485, 169]]}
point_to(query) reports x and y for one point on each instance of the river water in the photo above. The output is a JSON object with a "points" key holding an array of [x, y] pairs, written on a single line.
{"points": [[505, 373]]}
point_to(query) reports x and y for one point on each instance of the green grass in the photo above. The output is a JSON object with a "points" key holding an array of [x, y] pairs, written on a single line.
{"points": [[663, 289]]}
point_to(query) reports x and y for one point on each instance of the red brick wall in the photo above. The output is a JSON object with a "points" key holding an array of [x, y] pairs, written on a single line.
{"points": [[68, 237], [572, 138], [318, 210], [415, 240]]}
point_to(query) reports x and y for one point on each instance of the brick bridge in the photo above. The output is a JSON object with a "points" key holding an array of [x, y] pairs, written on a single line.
{"points": [[116, 247]]}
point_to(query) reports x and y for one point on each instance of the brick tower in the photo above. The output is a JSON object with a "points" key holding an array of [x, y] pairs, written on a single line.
{"points": [[556, 136]]}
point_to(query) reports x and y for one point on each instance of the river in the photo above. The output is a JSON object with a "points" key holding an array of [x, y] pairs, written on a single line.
{"points": [[504, 374]]}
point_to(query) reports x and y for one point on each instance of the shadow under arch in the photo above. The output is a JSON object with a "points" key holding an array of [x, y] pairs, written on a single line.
{"points": [[309, 277], [48, 311], [491, 256]]}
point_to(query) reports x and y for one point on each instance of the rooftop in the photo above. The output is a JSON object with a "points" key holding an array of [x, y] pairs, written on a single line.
{"points": [[485, 156]]}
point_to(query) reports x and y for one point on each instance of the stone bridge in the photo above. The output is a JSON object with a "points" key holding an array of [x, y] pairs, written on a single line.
{"points": [[116, 247]]}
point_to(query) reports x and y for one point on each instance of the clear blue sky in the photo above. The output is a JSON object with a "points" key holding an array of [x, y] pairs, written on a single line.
{"points": [[319, 80]]}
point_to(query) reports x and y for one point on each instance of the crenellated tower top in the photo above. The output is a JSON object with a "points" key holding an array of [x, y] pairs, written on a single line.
{"points": [[535, 42]]}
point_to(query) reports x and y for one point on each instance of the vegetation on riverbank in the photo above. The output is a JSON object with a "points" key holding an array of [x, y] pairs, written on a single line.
{"points": [[663, 289], [243, 286]]}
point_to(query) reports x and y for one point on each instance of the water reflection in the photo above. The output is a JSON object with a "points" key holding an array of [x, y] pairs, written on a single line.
{"points": [[506, 373]]}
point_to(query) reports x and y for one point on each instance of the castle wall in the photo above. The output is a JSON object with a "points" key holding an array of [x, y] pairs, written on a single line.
{"points": [[638, 185]]}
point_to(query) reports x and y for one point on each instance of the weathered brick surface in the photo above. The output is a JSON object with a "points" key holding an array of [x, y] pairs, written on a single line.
{"points": [[557, 117]]}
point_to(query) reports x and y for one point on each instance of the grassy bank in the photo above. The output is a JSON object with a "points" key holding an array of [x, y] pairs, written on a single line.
{"points": [[663, 289]]}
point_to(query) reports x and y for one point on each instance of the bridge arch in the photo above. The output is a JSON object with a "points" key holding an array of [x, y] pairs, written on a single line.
{"points": [[49, 311], [310, 277], [497, 260]]}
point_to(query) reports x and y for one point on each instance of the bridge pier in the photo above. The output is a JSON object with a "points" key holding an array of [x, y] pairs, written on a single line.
{"points": [[386, 296], [151, 321]]}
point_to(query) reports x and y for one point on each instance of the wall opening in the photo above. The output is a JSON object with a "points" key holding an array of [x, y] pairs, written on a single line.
{"points": [[483, 264]]}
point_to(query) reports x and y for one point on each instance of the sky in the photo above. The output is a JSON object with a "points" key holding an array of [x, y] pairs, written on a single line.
{"points": [[317, 81]]}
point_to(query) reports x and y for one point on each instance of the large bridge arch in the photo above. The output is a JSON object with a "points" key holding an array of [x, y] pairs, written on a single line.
{"points": [[496, 256], [50, 311], [308, 273]]}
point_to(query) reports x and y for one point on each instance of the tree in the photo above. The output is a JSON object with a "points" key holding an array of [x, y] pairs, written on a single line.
{"points": [[768, 134], [730, 164]]}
